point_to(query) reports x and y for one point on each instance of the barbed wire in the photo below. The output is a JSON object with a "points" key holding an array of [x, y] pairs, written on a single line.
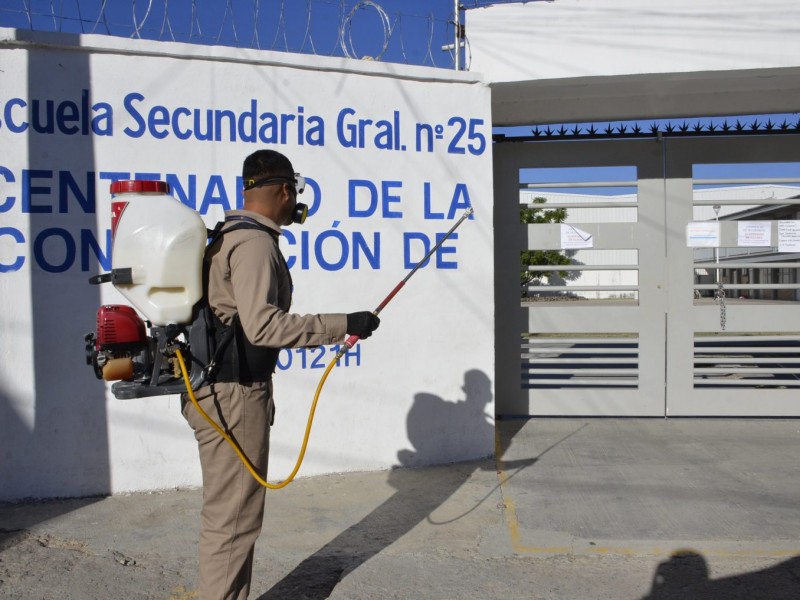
{"points": [[386, 30]]}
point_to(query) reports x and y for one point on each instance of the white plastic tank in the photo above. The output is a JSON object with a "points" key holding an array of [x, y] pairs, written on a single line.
{"points": [[161, 241]]}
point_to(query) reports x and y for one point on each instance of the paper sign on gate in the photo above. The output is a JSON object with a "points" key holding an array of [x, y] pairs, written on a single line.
{"points": [[754, 233], [572, 237], [702, 234], [788, 236]]}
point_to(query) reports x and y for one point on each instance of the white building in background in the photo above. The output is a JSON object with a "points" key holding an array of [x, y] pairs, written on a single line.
{"points": [[590, 257], [616, 277], [753, 255]]}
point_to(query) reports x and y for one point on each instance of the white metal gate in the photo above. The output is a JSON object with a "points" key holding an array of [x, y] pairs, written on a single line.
{"points": [[653, 334]]}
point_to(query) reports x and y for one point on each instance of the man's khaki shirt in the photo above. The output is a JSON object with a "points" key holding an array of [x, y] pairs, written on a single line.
{"points": [[248, 275]]}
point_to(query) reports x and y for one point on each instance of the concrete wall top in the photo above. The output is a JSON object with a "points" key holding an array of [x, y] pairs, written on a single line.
{"points": [[117, 45]]}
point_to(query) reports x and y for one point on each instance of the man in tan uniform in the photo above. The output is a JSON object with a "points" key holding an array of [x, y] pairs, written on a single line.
{"points": [[250, 289]]}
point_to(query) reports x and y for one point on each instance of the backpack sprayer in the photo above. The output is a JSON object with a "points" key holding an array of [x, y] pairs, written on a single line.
{"points": [[161, 243]]}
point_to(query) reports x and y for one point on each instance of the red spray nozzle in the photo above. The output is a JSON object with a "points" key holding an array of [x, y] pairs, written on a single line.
{"points": [[353, 339]]}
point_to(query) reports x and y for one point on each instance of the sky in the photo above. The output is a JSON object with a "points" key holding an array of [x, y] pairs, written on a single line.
{"points": [[403, 31]]}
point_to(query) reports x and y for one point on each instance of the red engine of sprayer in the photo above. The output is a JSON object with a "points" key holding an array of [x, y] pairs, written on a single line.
{"points": [[120, 336], [119, 328]]}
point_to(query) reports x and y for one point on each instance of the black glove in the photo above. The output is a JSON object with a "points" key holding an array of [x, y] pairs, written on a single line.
{"points": [[362, 324]]}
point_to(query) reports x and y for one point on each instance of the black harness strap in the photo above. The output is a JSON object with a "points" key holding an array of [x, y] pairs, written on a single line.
{"points": [[242, 361]]}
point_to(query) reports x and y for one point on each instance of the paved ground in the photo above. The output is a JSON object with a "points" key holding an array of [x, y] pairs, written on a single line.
{"points": [[573, 509]]}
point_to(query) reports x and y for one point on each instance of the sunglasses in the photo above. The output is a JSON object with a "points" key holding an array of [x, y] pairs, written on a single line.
{"points": [[298, 182]]}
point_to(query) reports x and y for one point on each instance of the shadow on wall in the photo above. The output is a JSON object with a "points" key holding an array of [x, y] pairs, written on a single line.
{"points": [[436, 428], [65, 452], [685, 576]]}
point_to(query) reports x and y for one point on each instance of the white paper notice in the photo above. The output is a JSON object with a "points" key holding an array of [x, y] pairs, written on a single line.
{"points": [[754, 233], [788, 236], [572, 237], [702, 234]]}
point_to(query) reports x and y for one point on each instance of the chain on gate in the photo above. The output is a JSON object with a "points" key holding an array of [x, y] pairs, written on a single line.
{"points": [[719, 298]]}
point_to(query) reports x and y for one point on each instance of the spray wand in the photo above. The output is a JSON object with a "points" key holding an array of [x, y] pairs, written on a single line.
{"points": [[348, 344], [353, 339]]}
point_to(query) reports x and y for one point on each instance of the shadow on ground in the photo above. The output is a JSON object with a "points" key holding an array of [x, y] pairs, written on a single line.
{"points": [[433, 425], [685, 576]]}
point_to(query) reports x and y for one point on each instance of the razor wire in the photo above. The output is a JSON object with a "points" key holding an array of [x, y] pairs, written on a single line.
{"points": [[419, 33]]}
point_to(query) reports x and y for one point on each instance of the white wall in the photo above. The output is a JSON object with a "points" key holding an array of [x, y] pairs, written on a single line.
{"points": [[419, 391], [578, 38], [584, 60]]}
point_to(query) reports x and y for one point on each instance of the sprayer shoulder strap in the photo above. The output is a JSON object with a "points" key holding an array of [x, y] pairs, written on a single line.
{"points": [[239, 222], [229, 333]]}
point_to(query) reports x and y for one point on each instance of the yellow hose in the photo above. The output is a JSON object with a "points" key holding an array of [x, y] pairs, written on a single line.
{"points": [[242, 456]]}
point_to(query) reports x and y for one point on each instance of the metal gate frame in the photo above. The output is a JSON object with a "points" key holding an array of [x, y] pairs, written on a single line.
{"points": [[665, 321], [686, 322]]}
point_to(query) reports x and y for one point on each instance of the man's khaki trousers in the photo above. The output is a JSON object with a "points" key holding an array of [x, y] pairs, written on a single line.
{"points": [[233, 502]]}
